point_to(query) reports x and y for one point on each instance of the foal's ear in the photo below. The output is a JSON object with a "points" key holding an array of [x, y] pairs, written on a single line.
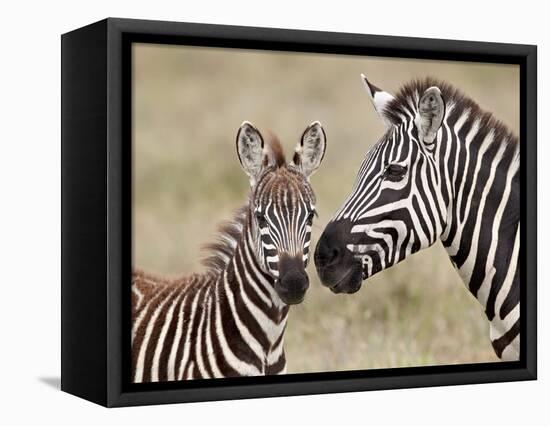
{"points": [[431, 110], [311, 149], [379, 99], [250, 149]]}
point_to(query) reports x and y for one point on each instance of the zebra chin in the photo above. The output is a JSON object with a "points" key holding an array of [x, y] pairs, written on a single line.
{"points": [[343, 279]]}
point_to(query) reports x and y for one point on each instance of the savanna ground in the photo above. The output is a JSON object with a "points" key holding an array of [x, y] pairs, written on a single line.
{"points": [[188, 105]]}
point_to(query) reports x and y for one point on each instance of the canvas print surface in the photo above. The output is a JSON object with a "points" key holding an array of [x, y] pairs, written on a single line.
{"points": [[298, 212]]}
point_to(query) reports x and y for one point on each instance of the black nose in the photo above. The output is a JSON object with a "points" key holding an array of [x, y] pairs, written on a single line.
{"points": [[331, 247], [293, 280], [336, 266], [292, 287], [296, 281]]}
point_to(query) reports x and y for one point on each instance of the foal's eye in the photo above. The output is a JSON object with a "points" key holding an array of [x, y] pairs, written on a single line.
{"points": [[262, 222], [395, 172], [310, 217]]}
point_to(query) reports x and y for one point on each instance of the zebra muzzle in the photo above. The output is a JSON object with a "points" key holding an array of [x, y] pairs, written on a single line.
{"points": [[338, 268], [293, 280]]}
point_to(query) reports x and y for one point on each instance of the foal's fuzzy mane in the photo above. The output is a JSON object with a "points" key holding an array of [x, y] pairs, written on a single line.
{"points": [[274, 149], [406, 102], [220, 252]]}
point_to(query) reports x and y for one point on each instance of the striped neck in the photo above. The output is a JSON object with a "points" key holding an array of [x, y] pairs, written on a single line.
{"points": [[480, 171], [255, 314]]}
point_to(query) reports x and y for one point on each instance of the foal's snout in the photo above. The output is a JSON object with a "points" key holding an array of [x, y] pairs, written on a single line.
{"points": [[293, 280]]}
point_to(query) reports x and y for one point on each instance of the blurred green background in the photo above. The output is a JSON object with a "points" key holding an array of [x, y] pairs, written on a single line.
{"points": [[187, 106]]}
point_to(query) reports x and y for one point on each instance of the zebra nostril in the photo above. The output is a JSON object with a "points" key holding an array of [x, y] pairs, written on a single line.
{"points": [[328, 256], [331, 248], [333, 256]]}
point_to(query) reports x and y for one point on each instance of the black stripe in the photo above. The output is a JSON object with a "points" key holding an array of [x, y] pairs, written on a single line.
{"points": [[194, 333], [154, 337], [224, 367], [512, 299], [140, 332], [169, 341], [205, 331], [188, 303], [502, 342]]}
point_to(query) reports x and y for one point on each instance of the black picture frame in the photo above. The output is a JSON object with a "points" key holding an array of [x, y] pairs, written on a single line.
{"points": [[96, 210]]}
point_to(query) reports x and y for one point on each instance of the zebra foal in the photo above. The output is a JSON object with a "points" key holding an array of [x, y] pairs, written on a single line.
{"points": [[230, 320], [445, 169]]}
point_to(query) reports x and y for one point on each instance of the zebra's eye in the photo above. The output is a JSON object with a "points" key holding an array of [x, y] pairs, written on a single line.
{"points": [[395, 172], [310, 217], [262, 222]]}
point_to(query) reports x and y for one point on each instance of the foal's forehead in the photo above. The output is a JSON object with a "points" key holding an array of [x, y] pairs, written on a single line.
{"points": [[284, 185]]}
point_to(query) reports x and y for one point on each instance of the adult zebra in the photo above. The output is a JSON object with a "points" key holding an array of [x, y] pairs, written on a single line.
{"points": [[445, 170], [230, 320]]}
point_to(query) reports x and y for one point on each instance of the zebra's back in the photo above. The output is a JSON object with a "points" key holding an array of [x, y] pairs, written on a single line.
{"points": [[161, 317]]}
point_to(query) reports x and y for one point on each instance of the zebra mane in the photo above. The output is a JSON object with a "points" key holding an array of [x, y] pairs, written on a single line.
{"points": [[274, 150], [220, 252], [406, 101]]}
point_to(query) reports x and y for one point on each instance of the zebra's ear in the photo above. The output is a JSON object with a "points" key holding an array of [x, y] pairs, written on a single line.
{"points": [[379, 99], [311, 149], [431, 110], [250, 149]]}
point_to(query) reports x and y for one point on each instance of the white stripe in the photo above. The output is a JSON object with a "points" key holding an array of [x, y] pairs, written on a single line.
{"points": [[257, 279], [511, 352], [468, 266], [198, 344], [209, 348], [187, 342], [275, 353], [162, 337], [455, 245], [236, 364], [190, 371], [270, 328], [138, 377], [176, 342], [243, 329], [139, 296], [507, 284], [143, 313]]}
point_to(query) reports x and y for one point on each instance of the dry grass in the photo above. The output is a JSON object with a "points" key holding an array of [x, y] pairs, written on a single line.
{"points": [[188, 105]]}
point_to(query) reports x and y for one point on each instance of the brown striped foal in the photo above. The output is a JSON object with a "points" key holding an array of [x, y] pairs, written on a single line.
{"points": [[230, 320]]}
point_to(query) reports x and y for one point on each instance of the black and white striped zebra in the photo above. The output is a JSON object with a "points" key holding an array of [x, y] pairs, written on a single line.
{"points": [[230, 320], [444, 169]]}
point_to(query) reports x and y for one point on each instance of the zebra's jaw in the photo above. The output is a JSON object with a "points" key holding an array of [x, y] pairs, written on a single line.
{"points": [[350, 282]]}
